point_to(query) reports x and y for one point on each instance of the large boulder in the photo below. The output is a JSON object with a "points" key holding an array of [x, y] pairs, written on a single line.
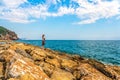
{"points": [[68, 64], [87, 72], [59, 74], [24, 77], [110, 71], [48, 68], [17, 65], [53, 62], [23, 66], [38, 54]]}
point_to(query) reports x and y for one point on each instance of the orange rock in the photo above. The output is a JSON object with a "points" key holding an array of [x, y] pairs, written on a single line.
{"points": [[13, 79], [48, 68], [54, 62], [1, 70], [6, 55], [27, 77], [87, 72], [24, 77], [23, 66], [38, 54], [59, 74], [66, 63], [18, 65]]}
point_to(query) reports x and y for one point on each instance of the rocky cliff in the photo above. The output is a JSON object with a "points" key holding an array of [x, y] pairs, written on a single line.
{"points": [[6, 34], [19, 61]]}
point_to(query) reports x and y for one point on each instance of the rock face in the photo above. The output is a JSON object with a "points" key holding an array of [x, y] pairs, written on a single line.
{"points": [[19, 61], [6, 34]]}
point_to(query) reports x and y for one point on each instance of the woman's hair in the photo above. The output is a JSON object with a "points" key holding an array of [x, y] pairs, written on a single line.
{"points": [[43, 35]]}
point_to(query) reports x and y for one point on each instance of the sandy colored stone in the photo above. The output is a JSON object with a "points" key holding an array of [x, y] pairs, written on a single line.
{"points": [[24, 77], [1, 69], [48, 68], [66, 63], [54, 62], [5, 55], [22, 66], [38, 54], [27, 77], [110, 71], [18, 65], [59, 74], [21, 46], [115, 68], [13, 79], [87, 72]]}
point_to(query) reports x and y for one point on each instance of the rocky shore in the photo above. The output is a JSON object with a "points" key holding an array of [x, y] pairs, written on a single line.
{"points": [[6, 34], [19, 61]]}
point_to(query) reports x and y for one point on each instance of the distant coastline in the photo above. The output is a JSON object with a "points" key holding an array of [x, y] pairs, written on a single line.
{"points": [[6, 34]]}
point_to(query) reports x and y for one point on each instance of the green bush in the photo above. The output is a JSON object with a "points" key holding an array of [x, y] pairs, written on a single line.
{"points": [[3, 30]]}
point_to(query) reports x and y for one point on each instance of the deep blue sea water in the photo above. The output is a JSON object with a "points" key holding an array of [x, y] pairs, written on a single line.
{"points": [[106, 51]]}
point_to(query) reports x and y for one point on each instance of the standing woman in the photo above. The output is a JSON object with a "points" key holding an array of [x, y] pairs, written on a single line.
{"points": [[43, 40]]}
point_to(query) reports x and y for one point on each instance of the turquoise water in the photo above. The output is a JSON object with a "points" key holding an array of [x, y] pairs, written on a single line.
{"points": [[107, 51]]}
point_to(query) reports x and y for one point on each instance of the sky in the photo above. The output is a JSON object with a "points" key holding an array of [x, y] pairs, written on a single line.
{"points": [[62, 19]]}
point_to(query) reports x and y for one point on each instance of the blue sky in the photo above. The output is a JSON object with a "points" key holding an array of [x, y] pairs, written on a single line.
{"points": [[62, 19]]}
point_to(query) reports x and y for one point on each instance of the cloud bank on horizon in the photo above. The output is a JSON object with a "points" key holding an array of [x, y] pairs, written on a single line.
{"points": [[87, 11]]}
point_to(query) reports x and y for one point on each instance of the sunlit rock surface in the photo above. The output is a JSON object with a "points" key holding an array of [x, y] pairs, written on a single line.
{"points": [[19, 61]]}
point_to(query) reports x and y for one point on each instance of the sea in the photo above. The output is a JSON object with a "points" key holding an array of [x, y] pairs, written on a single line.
{"points": [[105, 51]]}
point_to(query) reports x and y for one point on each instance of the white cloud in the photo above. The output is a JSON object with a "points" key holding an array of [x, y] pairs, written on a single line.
{"points": [[88, 21], [93, 12], [56, 1], [87, 12], [62, 11], [22, 15], [13, 3]]}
